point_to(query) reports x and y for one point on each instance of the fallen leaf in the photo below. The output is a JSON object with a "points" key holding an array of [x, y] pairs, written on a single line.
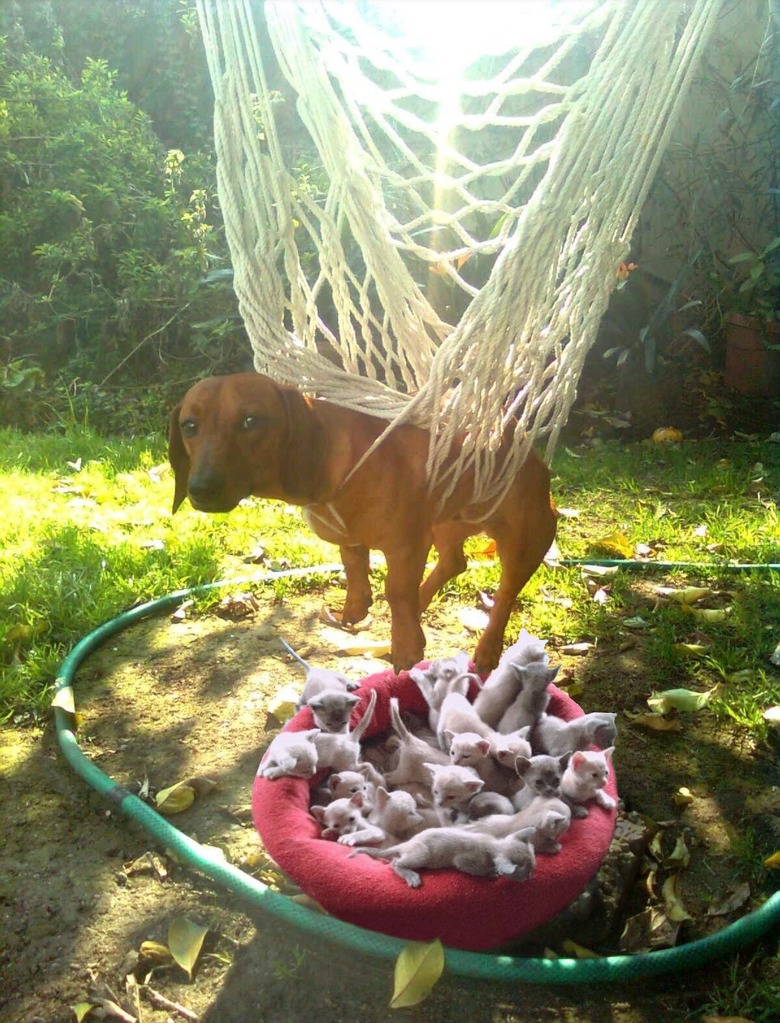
{"points": [[675, 910], [65, 700], [569, 513], [637, 622], [729, 903], [707, 614], [655, 722], [577, 649], [599, 571], [185, 940], [417, 970], [773, 862], [80, 1010], [601, 596], [649, 930], [357, 644], [772, 716], [678, 856], [578, 951], [682, 797], [175, 798], [306, 900], [616, 543], [155, 954], [686, 595], [666, 435], [284, 703], [679, 699], [691, 649], [473, 619]]}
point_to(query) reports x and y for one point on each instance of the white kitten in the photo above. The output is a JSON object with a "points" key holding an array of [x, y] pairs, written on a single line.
{"points": [[291, 753], [396, 813], [550, 818], [481, 855], [585, 777], [453, 788], [343, 820], [470, 750], [441, 677], [413, 754]]}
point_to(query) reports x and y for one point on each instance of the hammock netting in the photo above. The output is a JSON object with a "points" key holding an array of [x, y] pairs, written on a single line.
{"points": [[448, 258]]}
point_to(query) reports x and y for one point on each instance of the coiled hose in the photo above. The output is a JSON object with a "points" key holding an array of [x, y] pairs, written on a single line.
{"points": [[480, 965]]}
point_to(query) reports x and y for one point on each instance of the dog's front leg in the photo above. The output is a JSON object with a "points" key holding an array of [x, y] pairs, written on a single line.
{"points": [[358, 599], [405, 567]]}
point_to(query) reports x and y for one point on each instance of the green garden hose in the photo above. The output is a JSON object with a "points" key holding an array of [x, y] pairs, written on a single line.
{"points": [[480, 965]]}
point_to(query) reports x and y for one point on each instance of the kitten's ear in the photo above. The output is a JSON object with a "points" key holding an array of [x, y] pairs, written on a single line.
{"points": [[352, 700], [356, 800], [475, 786], [565, 758], [433, 769], [552, 672], [525, 834], [484, 747], [315, 703], [608, 752], [382, 796], [522, 764], [577, 759], [318, 812], [333, 781], [310, 734], [449, 735]]}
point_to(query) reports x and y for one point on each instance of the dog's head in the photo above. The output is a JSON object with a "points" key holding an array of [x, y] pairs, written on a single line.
{"points": [[243, 434]]}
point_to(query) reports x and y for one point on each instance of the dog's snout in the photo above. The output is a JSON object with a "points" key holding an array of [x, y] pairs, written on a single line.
{"points": [[207, 492]]}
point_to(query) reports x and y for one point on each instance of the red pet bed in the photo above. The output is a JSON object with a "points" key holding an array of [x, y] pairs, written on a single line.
{"points": [[471, 913]]}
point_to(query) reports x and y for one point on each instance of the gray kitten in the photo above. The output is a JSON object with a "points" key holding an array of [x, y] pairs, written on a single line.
{"points": [[532, 698], [542, 775], [553, 735], [549, 817], [481, 855], [503, 683], [318, 680], [331, 709]]}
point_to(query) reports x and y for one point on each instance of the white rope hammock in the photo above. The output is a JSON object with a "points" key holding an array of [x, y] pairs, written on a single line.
{"points": [[514, 196]]}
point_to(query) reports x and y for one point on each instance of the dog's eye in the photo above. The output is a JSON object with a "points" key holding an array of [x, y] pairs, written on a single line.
{"points": [[188, 427], [250, 423]]}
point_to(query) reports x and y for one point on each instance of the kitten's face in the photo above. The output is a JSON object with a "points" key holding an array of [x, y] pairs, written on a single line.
{"points": [[468, 749], [332, 710], [453, 786], [542, 774], [591, 767], [346, 784], [341, 817]]}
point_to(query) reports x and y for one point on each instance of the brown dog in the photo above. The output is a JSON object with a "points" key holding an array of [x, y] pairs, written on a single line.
{"points": [[244, 434]]}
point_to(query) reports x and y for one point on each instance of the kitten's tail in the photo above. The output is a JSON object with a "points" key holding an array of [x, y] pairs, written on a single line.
{"points": [[365, 721], [374, 852], [398, 721], [290, 650]]}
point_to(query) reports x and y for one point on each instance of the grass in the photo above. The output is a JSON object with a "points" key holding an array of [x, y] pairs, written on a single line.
{"points": [[86, 531]]}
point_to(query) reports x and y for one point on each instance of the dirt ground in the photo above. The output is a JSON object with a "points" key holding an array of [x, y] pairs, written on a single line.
{"points": [[168, 699]]}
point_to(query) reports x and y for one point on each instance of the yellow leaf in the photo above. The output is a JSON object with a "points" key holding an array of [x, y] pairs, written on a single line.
{"points": [[359, 644], [578, 951], [282, 705], [682, 797], [306, 900], [65, 700], [488, 551], [687, 595], [616, 543], [773, 862], [175, 799], [656, 722], [80, 1010], [678, 699], [675, 910], [666, 435], [185, 940], [691, 649], [707, 614], [417, 970], [155, 953]]}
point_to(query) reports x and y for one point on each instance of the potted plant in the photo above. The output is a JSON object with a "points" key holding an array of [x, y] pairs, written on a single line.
{"points": [[752, 330]]}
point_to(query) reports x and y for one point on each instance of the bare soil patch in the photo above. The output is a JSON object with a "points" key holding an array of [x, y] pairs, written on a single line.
{"points": [[166, 700]]}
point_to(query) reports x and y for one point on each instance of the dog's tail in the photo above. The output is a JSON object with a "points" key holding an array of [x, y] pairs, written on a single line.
{"points": [[365, 721]]}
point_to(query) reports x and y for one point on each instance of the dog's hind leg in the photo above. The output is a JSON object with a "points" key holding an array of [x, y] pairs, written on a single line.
{"points": [[359, 598], [448, 540]]}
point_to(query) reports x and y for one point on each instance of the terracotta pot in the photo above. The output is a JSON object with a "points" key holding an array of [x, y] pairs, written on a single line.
{"points": [[751, 367]]}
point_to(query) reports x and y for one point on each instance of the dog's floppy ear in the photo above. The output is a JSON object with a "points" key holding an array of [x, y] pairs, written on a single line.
{"points": [[178, 458], [301, 466]]}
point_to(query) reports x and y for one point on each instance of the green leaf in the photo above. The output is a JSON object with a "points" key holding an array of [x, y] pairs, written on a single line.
{"points": [[417, 970], [81, 1009], [185, 940]]}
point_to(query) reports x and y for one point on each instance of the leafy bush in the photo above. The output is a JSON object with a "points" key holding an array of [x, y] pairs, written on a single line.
{"points": [[105, 238]]}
